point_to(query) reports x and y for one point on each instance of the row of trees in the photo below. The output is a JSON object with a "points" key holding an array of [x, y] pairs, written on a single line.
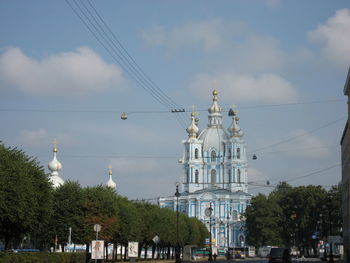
{"points": [[294, 216], [29, 206]]}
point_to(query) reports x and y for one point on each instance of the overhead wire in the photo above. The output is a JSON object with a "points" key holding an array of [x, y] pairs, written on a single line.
{"points": [[297, 136], [317, 171], [146, 112], [114, 50]]}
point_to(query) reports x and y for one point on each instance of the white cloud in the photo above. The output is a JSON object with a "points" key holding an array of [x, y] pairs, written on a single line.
{"points": [[334, 37], [41, 138], [267, 88], [63, 74], [256, 176], [306, 145]]}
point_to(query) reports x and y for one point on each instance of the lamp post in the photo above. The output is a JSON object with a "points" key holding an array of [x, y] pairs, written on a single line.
{"points": [[210, 243], [177, 247], [331, 259], [228, 236]]}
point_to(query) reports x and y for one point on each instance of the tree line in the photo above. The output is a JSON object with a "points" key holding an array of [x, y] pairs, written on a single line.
{"points": [[294, 216], [31, 208]]}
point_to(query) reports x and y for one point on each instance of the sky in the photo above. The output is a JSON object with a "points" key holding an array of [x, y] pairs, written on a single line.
{"points": [[282, 63]]}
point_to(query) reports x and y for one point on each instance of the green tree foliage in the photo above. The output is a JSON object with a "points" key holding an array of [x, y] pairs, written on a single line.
{"points": [[30, 206], [25, 196], [67, 212], [294, 216], [100, 207], [263, 222]]}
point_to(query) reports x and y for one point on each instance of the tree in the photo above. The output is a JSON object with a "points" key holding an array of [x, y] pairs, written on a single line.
{"points": [[263, 222], [67, 213], [25, 195]]}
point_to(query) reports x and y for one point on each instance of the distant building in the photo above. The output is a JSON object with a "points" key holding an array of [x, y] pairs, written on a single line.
{"points": [[345, 156], [55, 166], [215, 175], [110, 183]]}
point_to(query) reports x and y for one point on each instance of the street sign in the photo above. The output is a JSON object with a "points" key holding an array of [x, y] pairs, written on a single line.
{"points": [[133, 249], [97, 228], [156, 239], [97, 249]]}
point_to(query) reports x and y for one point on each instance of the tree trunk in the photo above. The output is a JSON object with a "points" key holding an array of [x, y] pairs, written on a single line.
{"points": [[87, 255], [146, 249], [153, 250], [7, 241], [168, 254], [125, 252]]}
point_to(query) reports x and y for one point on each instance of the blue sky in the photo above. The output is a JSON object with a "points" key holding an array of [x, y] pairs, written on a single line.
{"points": [[57, 81]]}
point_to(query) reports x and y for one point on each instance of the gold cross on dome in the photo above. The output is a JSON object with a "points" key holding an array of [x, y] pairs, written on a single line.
{"points": [[110, 169], [55, 145]]}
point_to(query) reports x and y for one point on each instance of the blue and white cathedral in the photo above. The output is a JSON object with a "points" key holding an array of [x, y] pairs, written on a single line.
{"points": [[215, 176]]}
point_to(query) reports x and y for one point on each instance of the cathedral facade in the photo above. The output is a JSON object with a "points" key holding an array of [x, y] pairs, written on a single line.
{"points": [[214, 185]]}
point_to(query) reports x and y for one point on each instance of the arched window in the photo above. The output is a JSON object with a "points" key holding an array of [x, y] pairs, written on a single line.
{"points": [[213, 156], [213, 176], [196, 153], [239, 175], [196, 173], [229, 176], [229, 153], [238, 153], [188, 176], [235, 215]]}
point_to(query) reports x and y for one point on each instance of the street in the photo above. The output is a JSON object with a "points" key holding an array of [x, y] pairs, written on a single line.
{"points": [[265, 260]]}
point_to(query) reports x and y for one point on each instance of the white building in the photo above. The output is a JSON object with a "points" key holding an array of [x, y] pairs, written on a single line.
{"points": [[55, 166], [215, 175]]}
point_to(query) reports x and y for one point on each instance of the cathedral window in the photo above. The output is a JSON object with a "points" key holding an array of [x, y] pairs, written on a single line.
{"points": [[213, 156], [235, 215], [239, 175], [188, 176], [196, 153], [229, 176], [213, 176], [196, 173], [238, 153], [229, 153]]}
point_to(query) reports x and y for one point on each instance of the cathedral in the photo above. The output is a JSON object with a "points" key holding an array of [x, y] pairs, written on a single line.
{"points": [[214, 184]]}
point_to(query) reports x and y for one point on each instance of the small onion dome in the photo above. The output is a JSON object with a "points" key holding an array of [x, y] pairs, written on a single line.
{"points": [[54, 166], [235, 130], [215, 108], [192, 129], [110, 183]]}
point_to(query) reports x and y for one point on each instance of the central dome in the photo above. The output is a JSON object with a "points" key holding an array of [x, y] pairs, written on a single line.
{"points": [[213, 137]]}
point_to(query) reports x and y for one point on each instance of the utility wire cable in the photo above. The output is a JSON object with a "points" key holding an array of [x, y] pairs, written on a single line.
{"points": [[92, 24], [297, 136]]}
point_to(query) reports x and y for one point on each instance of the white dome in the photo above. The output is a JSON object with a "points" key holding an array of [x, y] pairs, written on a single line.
{"points": [[213, 137], [111, 184], [56, 181], [54, 165]]}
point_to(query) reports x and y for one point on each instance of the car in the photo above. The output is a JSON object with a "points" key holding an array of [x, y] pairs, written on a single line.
{"points": [[279, 255], [239, 254]]}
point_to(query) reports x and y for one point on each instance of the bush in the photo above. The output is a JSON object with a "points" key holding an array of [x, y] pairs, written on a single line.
{"points": [[42, 257]]}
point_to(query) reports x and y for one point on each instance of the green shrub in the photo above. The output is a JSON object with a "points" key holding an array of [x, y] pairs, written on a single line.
{"points": [[42, 257]]}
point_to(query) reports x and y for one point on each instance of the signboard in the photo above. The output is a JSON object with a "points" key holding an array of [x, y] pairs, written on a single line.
{"points": [[133, 249], [97, 249]]}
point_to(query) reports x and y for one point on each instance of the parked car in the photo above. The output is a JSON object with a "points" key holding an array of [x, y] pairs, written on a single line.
{"points": [[280, 255], [239, 254]]}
